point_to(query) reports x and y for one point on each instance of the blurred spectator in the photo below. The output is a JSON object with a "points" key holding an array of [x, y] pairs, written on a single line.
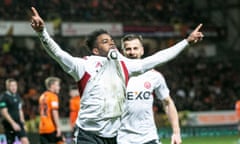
{"points": [[74, 104], [200, 84]]}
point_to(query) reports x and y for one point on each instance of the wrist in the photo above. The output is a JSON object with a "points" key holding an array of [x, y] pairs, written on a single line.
{"points": [[176, 131], [41, 32], [189, 40], [176, 135], [13, 123]]}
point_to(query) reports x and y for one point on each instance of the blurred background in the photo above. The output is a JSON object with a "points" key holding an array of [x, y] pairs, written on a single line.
{"points": [[204, 79]]}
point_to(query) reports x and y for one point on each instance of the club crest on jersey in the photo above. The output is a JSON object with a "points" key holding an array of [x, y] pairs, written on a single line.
{"points": [[98, 66], [147, 85]]}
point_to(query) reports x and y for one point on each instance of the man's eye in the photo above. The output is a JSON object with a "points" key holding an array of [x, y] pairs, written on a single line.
{"points": [[104, 41]]}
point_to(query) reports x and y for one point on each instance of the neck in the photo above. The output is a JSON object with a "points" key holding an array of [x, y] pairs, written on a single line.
{"points": [[11, 93]]}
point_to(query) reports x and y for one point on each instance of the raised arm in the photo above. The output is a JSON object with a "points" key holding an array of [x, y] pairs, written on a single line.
{"points": [[170, 53], [163, 56], [72, 65]]}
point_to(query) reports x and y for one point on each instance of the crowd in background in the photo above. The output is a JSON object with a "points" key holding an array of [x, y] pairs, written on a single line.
{"points": [[202, 84], [31, 68], [137, 12]]}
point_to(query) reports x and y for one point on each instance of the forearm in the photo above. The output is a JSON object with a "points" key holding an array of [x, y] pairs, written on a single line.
{"points": [[163, 56], [174, 120], [56, 118], [21, 116], [66, 61], [6, 116], [142, 65], [172, 115]]}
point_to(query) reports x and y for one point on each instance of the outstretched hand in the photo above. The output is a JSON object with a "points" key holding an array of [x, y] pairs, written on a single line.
{"points": [[16, 126], [37, 22], [176, 139], [196, 35]]}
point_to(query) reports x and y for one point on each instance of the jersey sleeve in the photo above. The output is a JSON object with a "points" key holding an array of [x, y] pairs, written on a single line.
{"points": [[162, 90], [20, 104], [54, 102], [3, 103], [161, 57], [72, 65]]}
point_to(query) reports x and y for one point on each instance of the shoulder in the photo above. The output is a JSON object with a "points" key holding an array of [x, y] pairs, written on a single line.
{"points": [[3, 96], [95, 58], [156, 74], [3, 100], [52, 94], [48, 95], [77, 98], [238, 102], [158, 78]]}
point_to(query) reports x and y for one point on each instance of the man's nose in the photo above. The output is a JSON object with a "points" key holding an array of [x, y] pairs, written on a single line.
{"points": [[131, 52], [112, 43]]}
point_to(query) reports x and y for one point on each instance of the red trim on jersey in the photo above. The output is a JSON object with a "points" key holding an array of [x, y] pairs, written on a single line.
{"points": [[125, 71], [82, 83]]}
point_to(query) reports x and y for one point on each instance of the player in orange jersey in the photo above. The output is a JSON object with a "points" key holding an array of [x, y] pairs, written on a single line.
{"points": [[237, 108], [49, 128], [74, 105]]}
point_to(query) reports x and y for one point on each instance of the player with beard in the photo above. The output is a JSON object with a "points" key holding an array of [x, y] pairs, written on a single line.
{"points": [[138, 126]]}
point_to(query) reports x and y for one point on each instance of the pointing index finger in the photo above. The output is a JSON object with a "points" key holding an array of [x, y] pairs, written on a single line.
{"points": [[198, 28], [34, 11]]}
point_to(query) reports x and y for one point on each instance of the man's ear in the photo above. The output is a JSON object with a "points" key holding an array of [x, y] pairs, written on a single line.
{"points": [[142, 52], [95, 51]]}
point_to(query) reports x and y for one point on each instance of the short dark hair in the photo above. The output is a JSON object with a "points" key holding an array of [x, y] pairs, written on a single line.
{"points": [[91, 39], [130, 37]]}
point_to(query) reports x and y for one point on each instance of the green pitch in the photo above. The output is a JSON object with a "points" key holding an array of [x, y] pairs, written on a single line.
{"points": [[208, 140]]}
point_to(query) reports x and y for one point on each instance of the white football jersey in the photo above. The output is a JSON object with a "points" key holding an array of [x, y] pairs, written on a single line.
{"points": [[138, 124], [101, 82]]}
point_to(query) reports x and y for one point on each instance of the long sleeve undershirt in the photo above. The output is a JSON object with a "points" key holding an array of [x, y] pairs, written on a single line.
{"points": [[73, 65]]}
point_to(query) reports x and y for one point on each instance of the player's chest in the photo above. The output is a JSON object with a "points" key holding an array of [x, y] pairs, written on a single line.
{"points": [[13, 101], [94, 66], [139, 89]]}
